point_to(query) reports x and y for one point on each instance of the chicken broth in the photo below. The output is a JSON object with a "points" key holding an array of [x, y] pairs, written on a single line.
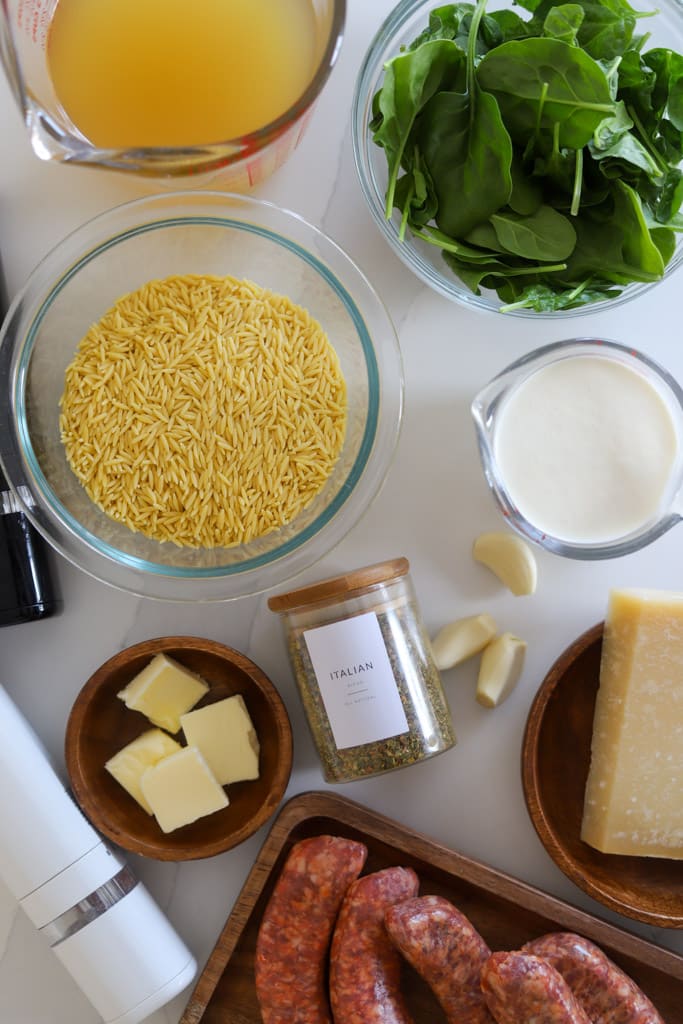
{"points": [[167, 73]]}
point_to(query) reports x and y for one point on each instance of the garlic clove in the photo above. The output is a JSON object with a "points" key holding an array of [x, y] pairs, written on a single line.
{"points": [[500, 668], [459, 640], [510, 558]]}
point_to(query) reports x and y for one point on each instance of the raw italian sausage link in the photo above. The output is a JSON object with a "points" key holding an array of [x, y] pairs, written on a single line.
{"points": [[296, 928], [607, 994], [523, 989], [365, 967], [445, 948]]}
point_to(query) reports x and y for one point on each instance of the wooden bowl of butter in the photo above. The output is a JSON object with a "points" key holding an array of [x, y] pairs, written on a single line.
{"points": [[178, 748]]}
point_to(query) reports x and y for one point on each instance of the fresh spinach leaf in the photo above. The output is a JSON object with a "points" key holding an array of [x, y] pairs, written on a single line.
{"points": [[670, 142], [615, 146], [484, 235], [563, 22], [605, 33], [544, 298], [450, 21], [543, 235], [667, 92], [415, 195], [510, 24], [666, 200], [571, 86], [606, 29], [611, 70], [465, 143], [453, 21], [636, 80], [526, 195], [462, 148], [410, 80], [616, 245], [471, 276], [665, 240]]}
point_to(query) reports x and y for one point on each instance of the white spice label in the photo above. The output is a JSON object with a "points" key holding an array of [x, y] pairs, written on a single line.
{"points": [[356, 681]]}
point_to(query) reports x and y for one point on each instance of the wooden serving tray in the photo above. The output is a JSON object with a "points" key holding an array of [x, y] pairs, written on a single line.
{"points": [[506, 912]]}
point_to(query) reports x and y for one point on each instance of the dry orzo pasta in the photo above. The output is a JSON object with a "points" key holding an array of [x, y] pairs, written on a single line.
{"points": [[203, 410]]}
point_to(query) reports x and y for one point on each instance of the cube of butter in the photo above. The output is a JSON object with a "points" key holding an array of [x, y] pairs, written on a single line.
{"points": [[182, 788], [128, 765], [163, 691], [225, 735]]}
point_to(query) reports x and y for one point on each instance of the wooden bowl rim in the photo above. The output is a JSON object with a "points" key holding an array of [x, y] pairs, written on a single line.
{"points": [[161, 850], [534, 799]]}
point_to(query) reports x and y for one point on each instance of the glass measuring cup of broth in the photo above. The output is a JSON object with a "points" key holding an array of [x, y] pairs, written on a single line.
{"points": [[167, 88], [581, 442]]}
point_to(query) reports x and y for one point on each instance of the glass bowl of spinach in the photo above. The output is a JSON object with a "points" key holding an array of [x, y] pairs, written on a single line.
{"points": [[527, 158]]}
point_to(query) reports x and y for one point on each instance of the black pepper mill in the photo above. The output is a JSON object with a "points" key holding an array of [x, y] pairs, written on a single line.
{"points": [[26, 591]]}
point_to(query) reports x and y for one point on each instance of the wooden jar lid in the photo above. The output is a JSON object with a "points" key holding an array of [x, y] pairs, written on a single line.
{"points": [[337, 587]]}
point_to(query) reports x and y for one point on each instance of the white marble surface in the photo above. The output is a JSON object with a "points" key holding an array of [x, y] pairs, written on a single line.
{"points": [[433, 504]]}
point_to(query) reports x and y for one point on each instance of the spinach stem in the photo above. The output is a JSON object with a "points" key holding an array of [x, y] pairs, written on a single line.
{"points": [[472, 50], [641, 42], [405, 213], [646, 141], [440, 243], [578, 181], [536, 268], [391, 189], [539, 113], [579, 288]]}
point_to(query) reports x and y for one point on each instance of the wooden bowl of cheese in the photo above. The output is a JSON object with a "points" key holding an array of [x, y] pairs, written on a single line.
{"points": [[178, 748], [556, 761]]}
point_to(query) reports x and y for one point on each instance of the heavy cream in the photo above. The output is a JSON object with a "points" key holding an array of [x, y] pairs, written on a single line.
{"points": [[586, 448]]}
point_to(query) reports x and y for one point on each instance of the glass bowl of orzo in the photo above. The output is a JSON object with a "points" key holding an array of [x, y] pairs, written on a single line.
{"points": [[203, 395]]}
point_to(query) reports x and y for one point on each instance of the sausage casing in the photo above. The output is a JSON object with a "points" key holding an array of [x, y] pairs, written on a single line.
{"points": [[365, 967], [296, 928], [607, 994], [524, 989], [445, 948]]}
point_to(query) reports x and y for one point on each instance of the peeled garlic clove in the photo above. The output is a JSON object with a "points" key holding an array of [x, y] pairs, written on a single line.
{"points": [[461, 639], [510, 558], [500, 668]]}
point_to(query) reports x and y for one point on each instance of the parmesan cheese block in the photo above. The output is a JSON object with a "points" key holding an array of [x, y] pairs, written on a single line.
{"points": [[182, 788], [634, 793], [224, 733], [163, 691], [127, 766]]}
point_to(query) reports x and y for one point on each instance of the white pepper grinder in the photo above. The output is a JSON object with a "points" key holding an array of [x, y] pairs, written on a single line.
{"points": [[98, 918]]}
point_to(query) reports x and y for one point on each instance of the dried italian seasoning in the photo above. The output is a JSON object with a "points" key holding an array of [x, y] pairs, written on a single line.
{"points": [[363, 664]]}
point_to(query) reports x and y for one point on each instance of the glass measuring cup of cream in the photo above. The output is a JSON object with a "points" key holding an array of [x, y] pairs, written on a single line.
{"points": [[581, 442], [165, 88]]}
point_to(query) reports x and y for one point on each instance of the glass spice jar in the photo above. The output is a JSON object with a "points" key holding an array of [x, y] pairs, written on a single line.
{"points": [[363, 664]]}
